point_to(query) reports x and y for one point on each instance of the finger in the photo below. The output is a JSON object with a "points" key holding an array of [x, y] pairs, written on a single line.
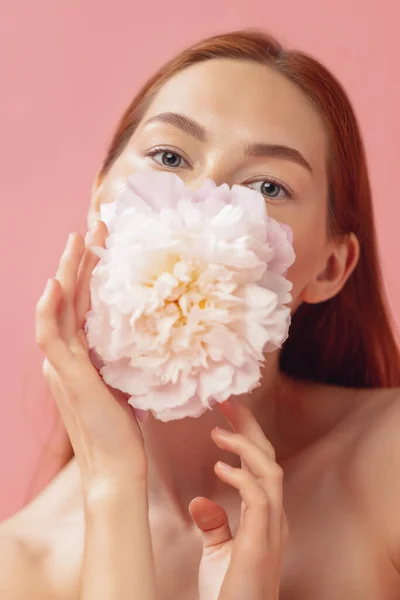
{"points": [[251, 560], [254, 527], [141, 415], [47, 326], [66, 275], [79, 344], [268, 472], [243, 421], [212, 521], [257, 460], [96, 236]]}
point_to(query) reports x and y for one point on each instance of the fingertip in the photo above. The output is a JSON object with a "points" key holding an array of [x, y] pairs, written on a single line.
{"points": [[141, 415], [195, 503], [97, 234], [100, 226], [230, 411], [220, 472], [73, 238], [229, 406]]}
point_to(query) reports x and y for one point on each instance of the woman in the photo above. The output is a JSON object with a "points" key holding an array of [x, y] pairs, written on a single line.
{"points": [[315, 450]]}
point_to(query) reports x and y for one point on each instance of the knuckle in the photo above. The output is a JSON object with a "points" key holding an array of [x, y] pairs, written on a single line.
{"points": [[49, 374], [277, 473], [39, 306], [271, 450], [47, 369], [40, 309], [41, 339], [259, 498], [41, 333], [238, 439]]}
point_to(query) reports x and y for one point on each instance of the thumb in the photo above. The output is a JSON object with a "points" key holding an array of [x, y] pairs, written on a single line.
{"points": [[212, 521]]}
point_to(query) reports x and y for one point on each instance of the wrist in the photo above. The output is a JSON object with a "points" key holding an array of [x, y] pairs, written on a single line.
{"points": [[113, 494]]}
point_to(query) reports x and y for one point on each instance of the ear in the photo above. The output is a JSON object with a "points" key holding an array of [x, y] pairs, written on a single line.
{"points": [[95, 202], [341, 260]]}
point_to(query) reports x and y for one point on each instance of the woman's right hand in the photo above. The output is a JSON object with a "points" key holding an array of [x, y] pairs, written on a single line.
{"points": [[102, 426], [104, 433]]}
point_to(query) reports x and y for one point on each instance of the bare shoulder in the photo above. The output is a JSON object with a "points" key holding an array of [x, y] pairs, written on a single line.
{"points": [[21, 577], [375, 466], [377, 438]]}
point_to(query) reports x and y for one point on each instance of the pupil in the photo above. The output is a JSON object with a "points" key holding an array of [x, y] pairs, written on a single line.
{"points": [[170, 159], [266, 189]]}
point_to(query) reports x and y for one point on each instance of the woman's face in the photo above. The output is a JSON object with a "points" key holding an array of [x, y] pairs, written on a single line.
{"points": [[239, 122]]}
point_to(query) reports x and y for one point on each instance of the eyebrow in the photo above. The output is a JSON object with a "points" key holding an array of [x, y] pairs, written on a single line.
{"points": [[184, 123], [277, 151], [255, 150]]}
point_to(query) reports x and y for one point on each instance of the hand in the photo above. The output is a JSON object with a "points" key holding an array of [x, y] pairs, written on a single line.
{"points": [[101, 425], [247, 567]]}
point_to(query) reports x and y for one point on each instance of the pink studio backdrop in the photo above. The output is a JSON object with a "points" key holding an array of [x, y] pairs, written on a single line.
{"points": [[68, 69]]}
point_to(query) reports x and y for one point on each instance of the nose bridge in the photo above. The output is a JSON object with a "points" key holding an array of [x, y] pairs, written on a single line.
{"points": [[218, 167]]}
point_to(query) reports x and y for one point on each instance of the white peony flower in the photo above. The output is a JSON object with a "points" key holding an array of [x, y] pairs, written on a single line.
{"points": [[188, 294]]}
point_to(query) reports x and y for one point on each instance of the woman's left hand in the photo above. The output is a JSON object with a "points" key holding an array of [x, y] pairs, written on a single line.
{"points": [[247, 567]]}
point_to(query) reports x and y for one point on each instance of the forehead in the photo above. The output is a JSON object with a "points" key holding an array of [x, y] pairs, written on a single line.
{"points": [[245, 100]]}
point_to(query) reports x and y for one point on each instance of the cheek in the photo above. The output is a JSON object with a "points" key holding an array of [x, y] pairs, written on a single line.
{"points": [[127, 164]]}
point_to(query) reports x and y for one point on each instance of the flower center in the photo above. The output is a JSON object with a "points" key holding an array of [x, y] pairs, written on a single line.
{"points": [[180, 287]]}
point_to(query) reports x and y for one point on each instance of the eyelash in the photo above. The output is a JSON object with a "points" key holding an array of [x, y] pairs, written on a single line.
{"points": [[287, 193], [161, 149]]}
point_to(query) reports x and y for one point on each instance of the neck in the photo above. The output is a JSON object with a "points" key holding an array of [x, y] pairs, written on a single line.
{"points": [[182, 454]]}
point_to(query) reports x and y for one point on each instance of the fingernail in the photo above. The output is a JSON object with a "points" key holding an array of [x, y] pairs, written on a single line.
{"points": [[224, 466], [222, 431]]}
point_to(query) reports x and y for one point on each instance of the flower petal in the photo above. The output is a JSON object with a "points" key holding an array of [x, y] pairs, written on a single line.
{"points": [[188, 294]]}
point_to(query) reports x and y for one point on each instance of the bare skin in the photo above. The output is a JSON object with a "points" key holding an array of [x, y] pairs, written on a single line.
{"points": [[335, 543], [335, 445]]}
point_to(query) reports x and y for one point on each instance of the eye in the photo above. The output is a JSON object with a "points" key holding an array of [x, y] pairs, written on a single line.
{"points": [[168, 158], [270, 189]]}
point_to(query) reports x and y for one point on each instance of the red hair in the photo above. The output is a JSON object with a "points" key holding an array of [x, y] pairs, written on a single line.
{"points": [[347, 340]]}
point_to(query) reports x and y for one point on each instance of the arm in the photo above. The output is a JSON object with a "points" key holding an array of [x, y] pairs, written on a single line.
{"points": [[20, 577], [114, 564], [104, 433]]}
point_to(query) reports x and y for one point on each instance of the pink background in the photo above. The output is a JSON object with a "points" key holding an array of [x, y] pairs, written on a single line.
{"points": [[68, 69]]}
